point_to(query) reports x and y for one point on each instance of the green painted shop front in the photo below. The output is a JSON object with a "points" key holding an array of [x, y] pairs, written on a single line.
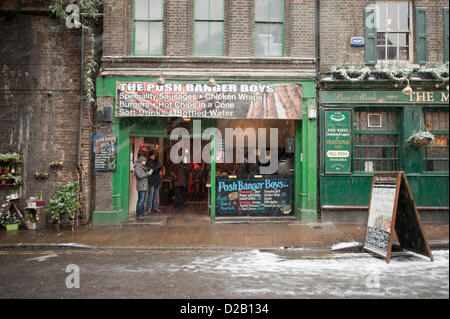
{"points": [[305, 156], [381, 122]]}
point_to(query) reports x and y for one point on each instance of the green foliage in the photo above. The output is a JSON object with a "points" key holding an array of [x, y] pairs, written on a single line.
{"points": [[10, 157], [64, 202], [393, 71], [351, 72], [436, 70]]}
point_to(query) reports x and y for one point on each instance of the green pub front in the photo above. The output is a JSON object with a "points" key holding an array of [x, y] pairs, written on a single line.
{"points": [[368, 128]]}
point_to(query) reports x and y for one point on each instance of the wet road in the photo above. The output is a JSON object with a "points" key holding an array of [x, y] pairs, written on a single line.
{"points": [[211, 274]]}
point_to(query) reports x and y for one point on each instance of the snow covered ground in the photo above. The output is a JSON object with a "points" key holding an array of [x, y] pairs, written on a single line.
{"points": [[265, 274]]}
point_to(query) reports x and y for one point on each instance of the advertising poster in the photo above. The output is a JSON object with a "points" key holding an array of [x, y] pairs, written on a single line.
{"points": [[104, 148], [198, 100], [337, 141]]}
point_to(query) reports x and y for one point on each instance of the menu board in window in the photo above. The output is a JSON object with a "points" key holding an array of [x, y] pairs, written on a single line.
{"points": [[104, 148], [264, 196]]}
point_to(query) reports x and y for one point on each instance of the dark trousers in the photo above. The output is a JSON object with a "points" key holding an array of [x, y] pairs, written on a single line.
{"points": [[140, 203], [180, 195]]}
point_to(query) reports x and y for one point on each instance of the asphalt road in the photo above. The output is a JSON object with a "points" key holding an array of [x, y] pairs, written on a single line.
{"points": [[211, 274]]}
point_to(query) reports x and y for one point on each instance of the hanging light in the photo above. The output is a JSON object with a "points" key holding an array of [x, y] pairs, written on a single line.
{"points": [[407, 90], [212, 82], [161, 80]]}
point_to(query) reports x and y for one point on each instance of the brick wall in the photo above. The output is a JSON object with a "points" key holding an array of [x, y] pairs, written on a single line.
{"points": [[343, 19], [239, 28], [39, 102]]}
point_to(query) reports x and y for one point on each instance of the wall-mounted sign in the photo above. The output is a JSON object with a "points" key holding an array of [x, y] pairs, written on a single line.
{"points": [[337, 141], [104, 148], [254, 196], [357, 41], [384, 97], [392, 208], [198, 100]]}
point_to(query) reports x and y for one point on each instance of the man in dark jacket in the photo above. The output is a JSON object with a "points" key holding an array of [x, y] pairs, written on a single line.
{"points": [[154, 183], [141, 173]]}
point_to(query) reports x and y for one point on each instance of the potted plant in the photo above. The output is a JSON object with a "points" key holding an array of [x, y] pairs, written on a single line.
{"points": [[32, 220], [11, 221], [350, 72], [56, 163], [41, 173], [421, 138], [64, 203], [392, 71]]}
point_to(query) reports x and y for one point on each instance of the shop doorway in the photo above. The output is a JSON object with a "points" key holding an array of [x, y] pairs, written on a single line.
{"points": [[188, 198]]}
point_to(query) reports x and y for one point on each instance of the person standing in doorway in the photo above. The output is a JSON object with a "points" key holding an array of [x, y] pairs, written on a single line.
{"points": [[141, 173], [180, 176], [154, 183]]}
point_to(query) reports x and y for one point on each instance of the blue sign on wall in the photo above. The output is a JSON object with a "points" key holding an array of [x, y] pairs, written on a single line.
{"points": [[357, 42]]}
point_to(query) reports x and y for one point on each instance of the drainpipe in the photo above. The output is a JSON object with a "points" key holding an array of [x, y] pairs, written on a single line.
{"points": [[80, 126], [318, 118]]}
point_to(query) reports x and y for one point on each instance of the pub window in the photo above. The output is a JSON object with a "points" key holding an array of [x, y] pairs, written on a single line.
{"points": [[269, 27], [148, 27], [208, 27], [393, 30], [376, 141], [435, 156]]}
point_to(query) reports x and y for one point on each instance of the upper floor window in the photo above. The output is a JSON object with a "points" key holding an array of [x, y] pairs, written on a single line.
{"points": [[208, 27], [393, 30], [269, 27], [148, 27]]}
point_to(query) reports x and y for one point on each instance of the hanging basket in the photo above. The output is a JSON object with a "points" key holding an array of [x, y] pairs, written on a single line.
{"points": [[423, 142]]}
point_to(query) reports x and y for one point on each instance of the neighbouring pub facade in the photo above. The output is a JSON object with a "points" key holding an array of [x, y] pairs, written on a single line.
{"points": [[392, 87], [193, 76]]}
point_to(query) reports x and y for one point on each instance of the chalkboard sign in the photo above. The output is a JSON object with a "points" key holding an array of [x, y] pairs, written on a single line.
{"points": [[254, 196], [392, 208], [104, 148]]}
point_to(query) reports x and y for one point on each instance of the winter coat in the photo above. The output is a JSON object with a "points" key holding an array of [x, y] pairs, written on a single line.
{"points": [[154, 179], [141, 173]]}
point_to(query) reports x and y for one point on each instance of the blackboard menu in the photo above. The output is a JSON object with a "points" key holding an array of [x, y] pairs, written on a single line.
{"points": [[264, 196], [104, 148]]}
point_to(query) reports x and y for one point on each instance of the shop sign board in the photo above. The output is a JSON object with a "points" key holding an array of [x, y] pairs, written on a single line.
{"points": [[384, 97], [104, 148], [265, 196], [392, 209], [198, 100], [337, 141]]}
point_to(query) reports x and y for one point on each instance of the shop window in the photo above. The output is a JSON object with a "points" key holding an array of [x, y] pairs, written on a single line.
{"points": [[375, 141], [435, 157], [148, 27], [269, 27], [208, 27], [393, 30]]}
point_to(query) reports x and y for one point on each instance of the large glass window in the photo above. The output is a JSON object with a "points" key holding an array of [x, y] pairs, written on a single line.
{"points": [[435, 157], [209, 26], [376, 141], [393, 30], [148, 27], [269, 27]]}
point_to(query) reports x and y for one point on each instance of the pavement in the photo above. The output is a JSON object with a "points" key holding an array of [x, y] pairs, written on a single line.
{"points": [[191, 231]]}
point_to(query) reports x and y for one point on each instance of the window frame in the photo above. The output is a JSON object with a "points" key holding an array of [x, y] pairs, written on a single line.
{"points": [[266, 22], [149, 21], [355, 132], [424, 157], [209, 21], [411, 34]]}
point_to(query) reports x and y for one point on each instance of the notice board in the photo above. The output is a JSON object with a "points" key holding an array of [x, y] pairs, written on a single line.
{"points": [[337, 141], [392, 210], [104, 148], [263, 196]]}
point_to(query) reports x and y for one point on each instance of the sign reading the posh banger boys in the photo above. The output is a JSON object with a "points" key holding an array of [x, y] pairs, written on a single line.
{"points": [[254, 196], [337, 141], [198, 100]]}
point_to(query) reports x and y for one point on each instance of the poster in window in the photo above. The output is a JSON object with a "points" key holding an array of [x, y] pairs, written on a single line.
{"points": [[337, 141]]}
